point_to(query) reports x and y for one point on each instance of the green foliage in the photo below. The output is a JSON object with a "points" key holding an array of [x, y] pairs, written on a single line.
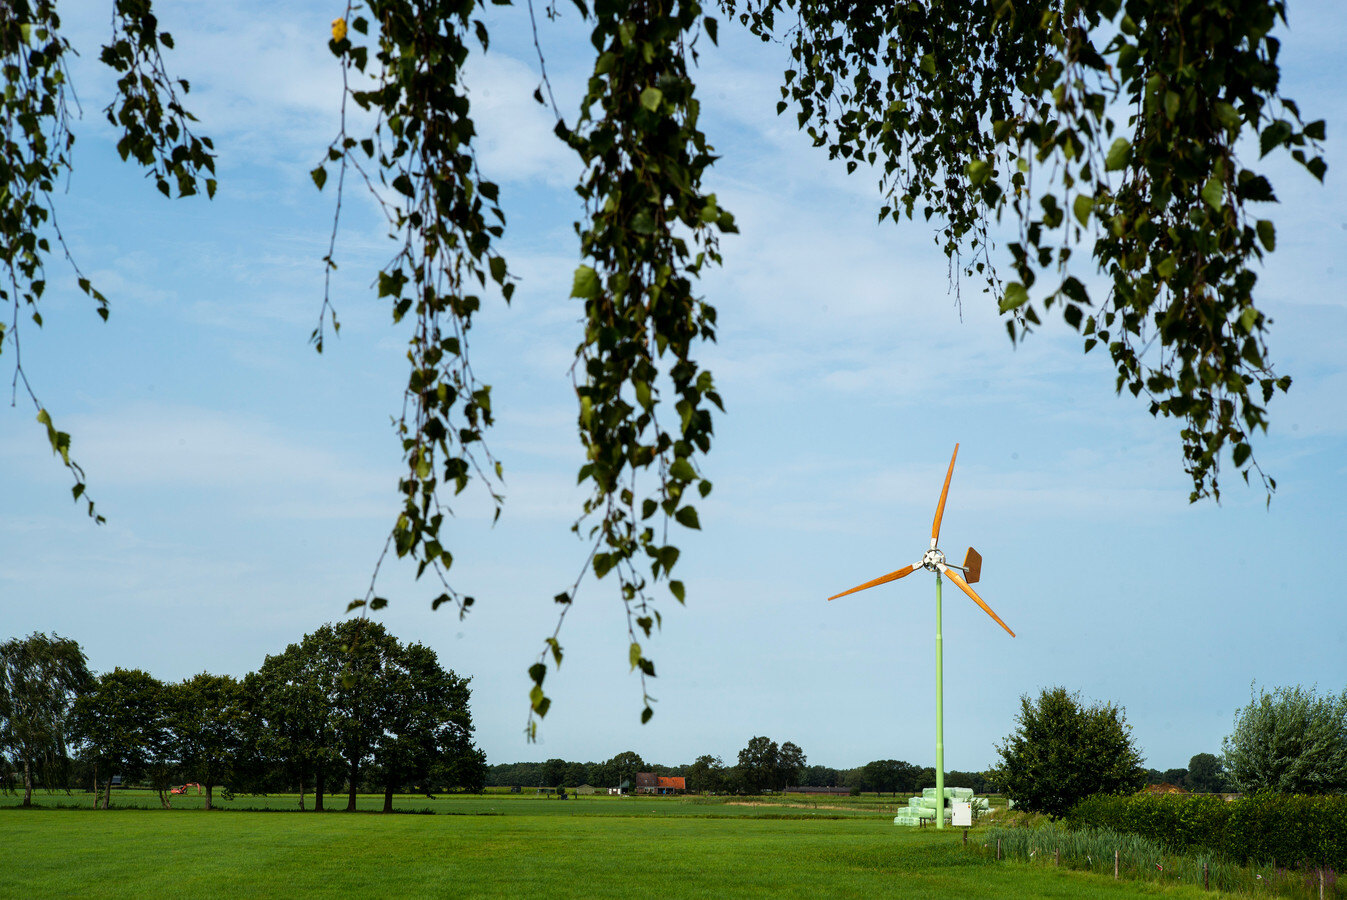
{"points": [[1064, 751], [40, 677], [623, 767], [1206, 774], [206, 720], [122, 724], [893, 776], [1289, 741], [977, 111], [1111, 124], [35, 154], [444, 218], [765, 766], [426, 725], [1294, 831]]}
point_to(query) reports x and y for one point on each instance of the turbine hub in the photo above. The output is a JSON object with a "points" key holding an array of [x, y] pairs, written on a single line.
{"points": [[933, 560]]}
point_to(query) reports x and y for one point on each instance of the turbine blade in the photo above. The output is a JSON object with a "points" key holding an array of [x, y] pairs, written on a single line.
{"points": [[963, 586], [944, 492], [883, 579]]}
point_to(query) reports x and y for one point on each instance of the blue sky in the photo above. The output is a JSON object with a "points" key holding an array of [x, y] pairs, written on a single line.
{"points": [[249, 483]]}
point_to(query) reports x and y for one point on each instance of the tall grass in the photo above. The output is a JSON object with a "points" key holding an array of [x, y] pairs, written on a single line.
{"points": [[1141, 859]]}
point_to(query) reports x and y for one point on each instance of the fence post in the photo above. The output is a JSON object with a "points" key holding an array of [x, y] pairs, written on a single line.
{"points": [[1204, 877], [1321, 883], [1115, 863], [965, 837], [998, 848], [1057, 857]]}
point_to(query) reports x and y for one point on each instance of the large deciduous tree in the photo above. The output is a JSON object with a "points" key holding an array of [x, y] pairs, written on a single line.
{"points": [[706, 775], [207, 722], [623, 768], [1105, 139], [757, 763], [289, 699], [40, 678], [122, 724], [1064, 751], [1292, 740], [1206, 774], [426, 723]]}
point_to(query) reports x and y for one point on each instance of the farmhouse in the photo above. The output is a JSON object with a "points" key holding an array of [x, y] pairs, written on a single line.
{"points": [[650, 783]]}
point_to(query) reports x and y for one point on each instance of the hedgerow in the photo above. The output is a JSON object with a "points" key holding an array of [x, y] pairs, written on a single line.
{"points": [[1290, 830]]}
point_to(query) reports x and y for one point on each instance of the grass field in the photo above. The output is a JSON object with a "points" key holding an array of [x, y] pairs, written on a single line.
{"points": [[511, 846]]}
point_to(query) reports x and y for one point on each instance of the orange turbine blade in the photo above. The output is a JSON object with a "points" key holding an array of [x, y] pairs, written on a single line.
{"points": [[944, 492], [963, 586], [883, 579]]}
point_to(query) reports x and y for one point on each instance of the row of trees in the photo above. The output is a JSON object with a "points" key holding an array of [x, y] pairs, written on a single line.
{"points": [[1289, 741], [348, 705], [762, 765]]}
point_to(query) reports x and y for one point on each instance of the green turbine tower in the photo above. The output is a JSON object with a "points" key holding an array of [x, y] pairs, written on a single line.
{"points": [[934, 561]]}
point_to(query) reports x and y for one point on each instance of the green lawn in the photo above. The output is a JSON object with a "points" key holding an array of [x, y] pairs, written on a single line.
{"points": [[511, 846]]}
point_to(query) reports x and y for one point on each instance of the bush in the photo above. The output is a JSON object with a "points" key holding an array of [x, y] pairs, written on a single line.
{"points": [[1064, 751], [1293, 831], [1291, 741]]}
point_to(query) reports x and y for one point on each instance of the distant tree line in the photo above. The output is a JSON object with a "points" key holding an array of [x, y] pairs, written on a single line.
{"points": [[349, 707], [763, 765]]}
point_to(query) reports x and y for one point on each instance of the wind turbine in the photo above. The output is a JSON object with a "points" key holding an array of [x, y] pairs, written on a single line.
{"points": [[934, 561]]}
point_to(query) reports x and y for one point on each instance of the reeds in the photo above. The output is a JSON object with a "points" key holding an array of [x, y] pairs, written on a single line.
{"points": [[1141, 859]]}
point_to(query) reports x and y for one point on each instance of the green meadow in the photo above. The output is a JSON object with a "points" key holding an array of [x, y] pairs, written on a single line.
{"points": [[499, 845]]}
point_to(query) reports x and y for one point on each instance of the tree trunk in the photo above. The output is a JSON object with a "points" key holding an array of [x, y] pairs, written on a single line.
{"points": [[27, 783], [301, 791], [209, 788], [107, 794], [388, 797], [320, 782], [355, 779], [164, 800]]}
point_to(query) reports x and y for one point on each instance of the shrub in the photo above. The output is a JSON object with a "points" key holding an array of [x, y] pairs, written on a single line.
{"points": [[1293, 831]]}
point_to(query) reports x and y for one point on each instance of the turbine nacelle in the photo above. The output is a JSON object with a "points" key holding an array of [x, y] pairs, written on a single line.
{"points": [[932, 561]]}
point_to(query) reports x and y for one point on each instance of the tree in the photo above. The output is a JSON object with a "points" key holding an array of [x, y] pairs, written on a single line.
{"points": [[206, 720], [1292, 741], [122, 722], [425, 722], [291, 725], [1064, 751], [790, 766], [624, 767], [892, 775], [40, 677], [759, 764], [977, 782], [1176, 777], [361, 655], [822, 776], [706, 775], [967, 114], [1206, 774]]}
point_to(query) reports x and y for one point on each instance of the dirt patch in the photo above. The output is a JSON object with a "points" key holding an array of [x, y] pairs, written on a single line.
{"points": [[790, 805]]}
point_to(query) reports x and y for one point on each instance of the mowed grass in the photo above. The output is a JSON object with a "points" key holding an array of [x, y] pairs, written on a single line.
{"points": [[533, 848]]}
